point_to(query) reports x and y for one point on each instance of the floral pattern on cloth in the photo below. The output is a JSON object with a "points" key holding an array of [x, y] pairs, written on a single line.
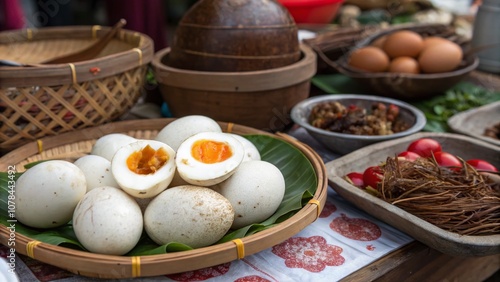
{"points": [[356, 228], [310, 253]]}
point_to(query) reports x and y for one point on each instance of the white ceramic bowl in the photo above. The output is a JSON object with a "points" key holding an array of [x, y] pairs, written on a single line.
{"points": [[343, 143]]}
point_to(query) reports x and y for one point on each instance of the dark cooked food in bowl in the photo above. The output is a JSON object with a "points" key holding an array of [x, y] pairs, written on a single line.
{"points": [[380, 119], [343, 143]]}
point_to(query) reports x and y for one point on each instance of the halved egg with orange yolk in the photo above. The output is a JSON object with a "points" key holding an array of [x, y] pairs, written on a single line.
{"points": [[144, 168], [208, 158]]}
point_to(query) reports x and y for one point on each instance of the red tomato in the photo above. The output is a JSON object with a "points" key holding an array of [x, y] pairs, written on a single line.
{"points": [[411, 156], [481, 165], [424, 147], [372, 176], [356, 179], [447, 160]]}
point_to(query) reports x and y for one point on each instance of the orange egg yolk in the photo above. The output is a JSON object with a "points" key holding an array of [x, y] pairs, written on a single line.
{"points": [[147, 160], [209, 151]]}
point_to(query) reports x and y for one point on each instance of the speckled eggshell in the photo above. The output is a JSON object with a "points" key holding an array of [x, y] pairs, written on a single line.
{"points": [[191, 215], [108, 221], [255, 190], [47, 193], [97, 171], [174, 133]]}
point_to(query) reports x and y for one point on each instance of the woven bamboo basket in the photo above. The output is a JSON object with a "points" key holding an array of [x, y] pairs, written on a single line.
{"points": [[71, 145], [38, 100]]}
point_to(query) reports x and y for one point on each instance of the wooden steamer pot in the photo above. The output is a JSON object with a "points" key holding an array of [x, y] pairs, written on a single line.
{"points": [[259, 99]]}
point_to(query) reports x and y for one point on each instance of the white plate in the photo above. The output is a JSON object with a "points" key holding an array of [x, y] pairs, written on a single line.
{"points": [[6, 274]]}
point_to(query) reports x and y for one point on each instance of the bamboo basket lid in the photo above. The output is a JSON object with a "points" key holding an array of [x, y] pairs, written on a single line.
{"points": [[71, 145]]}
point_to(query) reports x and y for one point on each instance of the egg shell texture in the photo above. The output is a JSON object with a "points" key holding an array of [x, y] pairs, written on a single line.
{"points": [[251, 152], [255, 190], [108, 221], [371, 59], [439, 58], [142, 185], [107, 145], [195, 216], [403, 43], [97, 171], [47, 193], [174, 133]]}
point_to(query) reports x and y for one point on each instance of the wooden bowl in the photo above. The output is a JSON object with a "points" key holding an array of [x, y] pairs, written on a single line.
{"points": [[235, 35], [399, 85], [72, 145], [260, 99], [447, 242]]}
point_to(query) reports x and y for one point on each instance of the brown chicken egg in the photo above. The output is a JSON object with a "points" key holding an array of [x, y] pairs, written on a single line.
{"points": [[370, 59], [403, 43], [404, 65], [433, 40], [439, 58]]}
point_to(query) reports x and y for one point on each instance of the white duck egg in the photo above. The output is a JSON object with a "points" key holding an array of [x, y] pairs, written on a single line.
{"points": [[251, 152], [47, 193], [144, 168], [208, 158], [255, 190], [192, 215], [107, 145], [108, 221], [97, 171], [180, 129]]}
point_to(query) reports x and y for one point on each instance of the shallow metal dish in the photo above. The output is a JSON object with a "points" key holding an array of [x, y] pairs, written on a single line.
{"points": [[473, 122], [342, 143], [423, 231]]}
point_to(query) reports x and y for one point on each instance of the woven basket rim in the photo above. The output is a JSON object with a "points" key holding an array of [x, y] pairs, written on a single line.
{"points": [[109, 266], [58, 74], [250, 81]]}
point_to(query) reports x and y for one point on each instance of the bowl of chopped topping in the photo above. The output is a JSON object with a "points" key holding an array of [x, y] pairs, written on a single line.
{"points": [[346, 122]]}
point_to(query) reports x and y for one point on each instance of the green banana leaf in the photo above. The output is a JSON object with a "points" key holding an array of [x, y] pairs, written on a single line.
{"points": [[300, 180]]}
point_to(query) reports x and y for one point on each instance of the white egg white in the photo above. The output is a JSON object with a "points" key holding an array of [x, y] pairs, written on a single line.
{"points": [[199, 173], [180, 129], [107, 145], [97, 171], [108, 221], [142, 185], [255, 190]]}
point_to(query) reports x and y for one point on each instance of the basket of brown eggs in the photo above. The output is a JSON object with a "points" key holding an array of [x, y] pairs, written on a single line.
{"points": [[410, 61]]}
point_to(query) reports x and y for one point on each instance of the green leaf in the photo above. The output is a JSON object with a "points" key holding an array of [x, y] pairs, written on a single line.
{"points": [[300, 182], [463, 96]]}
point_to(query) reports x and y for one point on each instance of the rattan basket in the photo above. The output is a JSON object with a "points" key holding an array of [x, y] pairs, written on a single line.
{"points": [[41, 100], [72, 145]]}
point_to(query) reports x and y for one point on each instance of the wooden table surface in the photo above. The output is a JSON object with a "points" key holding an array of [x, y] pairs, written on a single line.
{"points": [[417, 262]]}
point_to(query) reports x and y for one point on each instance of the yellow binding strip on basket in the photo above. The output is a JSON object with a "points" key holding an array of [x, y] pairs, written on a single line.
{"points": [[229, 127], [139, 51], [240, 248], [29, 33], [73, 72], [95, 28], [30, 248], [136, 266], [39, 144], [318, 205]]}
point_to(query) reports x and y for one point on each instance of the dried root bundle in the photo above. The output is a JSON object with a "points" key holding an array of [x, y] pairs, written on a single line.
{"points": [[460, 200]]}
